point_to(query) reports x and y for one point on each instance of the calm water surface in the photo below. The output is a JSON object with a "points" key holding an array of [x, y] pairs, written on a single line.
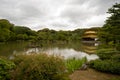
{"points": [[64, 49]]}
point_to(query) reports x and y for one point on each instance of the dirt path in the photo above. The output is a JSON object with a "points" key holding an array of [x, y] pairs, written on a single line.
{"points": [[91, 74]]}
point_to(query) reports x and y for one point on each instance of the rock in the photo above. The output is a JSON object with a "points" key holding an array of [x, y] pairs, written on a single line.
{"points": [[84, 67]]}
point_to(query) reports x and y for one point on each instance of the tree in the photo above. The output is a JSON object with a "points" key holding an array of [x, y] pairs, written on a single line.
{"points": [[5, 24], [21, 30], [4, 34], [6, 29], [24, 33], [111, 28], [114, 19]]}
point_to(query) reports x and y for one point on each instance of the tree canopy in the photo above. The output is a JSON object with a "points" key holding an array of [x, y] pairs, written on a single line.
{"points": [[6, 29], [10, 32], [111, 29]]}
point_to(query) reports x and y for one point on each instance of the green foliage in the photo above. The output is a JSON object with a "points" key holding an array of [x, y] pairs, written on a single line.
{"points": [[24, 33], [9, 32], [5, 29], [5, 24], [111, 29], [106, 66], [52, 35], [116, 57], [109, 61], [107, 53], [114, 19], [117, 46], [39, 67], [110, 34], [21, 37], [21, 30], [5, 67], [4, 34], [74, 64]]}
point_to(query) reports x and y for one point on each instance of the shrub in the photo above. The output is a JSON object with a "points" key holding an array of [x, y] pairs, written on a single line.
{"points": [[118, 46], [39, 67], [74, 64], [5, 67], [106, 53], [116, 57], [106, 66]]}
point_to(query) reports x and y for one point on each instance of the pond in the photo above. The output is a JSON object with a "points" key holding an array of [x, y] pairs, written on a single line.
{"points": [[67, 50]]}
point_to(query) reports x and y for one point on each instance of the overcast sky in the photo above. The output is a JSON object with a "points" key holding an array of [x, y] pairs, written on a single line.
{"points": [[56, 14]]}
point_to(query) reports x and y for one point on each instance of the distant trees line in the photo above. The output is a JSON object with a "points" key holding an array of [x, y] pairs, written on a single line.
{"points": [[52, 35], [10, 32]]}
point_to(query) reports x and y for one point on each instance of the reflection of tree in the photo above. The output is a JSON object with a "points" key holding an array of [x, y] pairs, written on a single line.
{"points": [[59, 44], [77, 46], [20, 47], [9, 48]]}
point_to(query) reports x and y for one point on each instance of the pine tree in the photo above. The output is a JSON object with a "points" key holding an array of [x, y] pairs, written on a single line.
{"points": [[111, 29]]}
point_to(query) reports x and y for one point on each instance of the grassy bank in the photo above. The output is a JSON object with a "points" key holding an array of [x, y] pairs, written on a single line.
{"points": [[73, 64], [33, 67], [38, 67]]}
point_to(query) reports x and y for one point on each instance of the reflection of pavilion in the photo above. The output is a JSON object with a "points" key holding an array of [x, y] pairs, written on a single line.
{"points": [[89, 41], [89, 48]]}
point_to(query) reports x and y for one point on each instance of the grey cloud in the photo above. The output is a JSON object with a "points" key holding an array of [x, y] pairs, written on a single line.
{"points": [[77, 13], [77, 2], [30, 11], [102, 5], [82, 11], [56, 14]]}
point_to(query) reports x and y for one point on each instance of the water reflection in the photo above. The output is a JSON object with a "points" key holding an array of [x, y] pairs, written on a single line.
{"points": [[89, 47], [68, 50], [70, 53]]}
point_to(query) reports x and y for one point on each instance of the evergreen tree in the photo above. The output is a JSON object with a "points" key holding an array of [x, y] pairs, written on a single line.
{"points": [[111, 29]]}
